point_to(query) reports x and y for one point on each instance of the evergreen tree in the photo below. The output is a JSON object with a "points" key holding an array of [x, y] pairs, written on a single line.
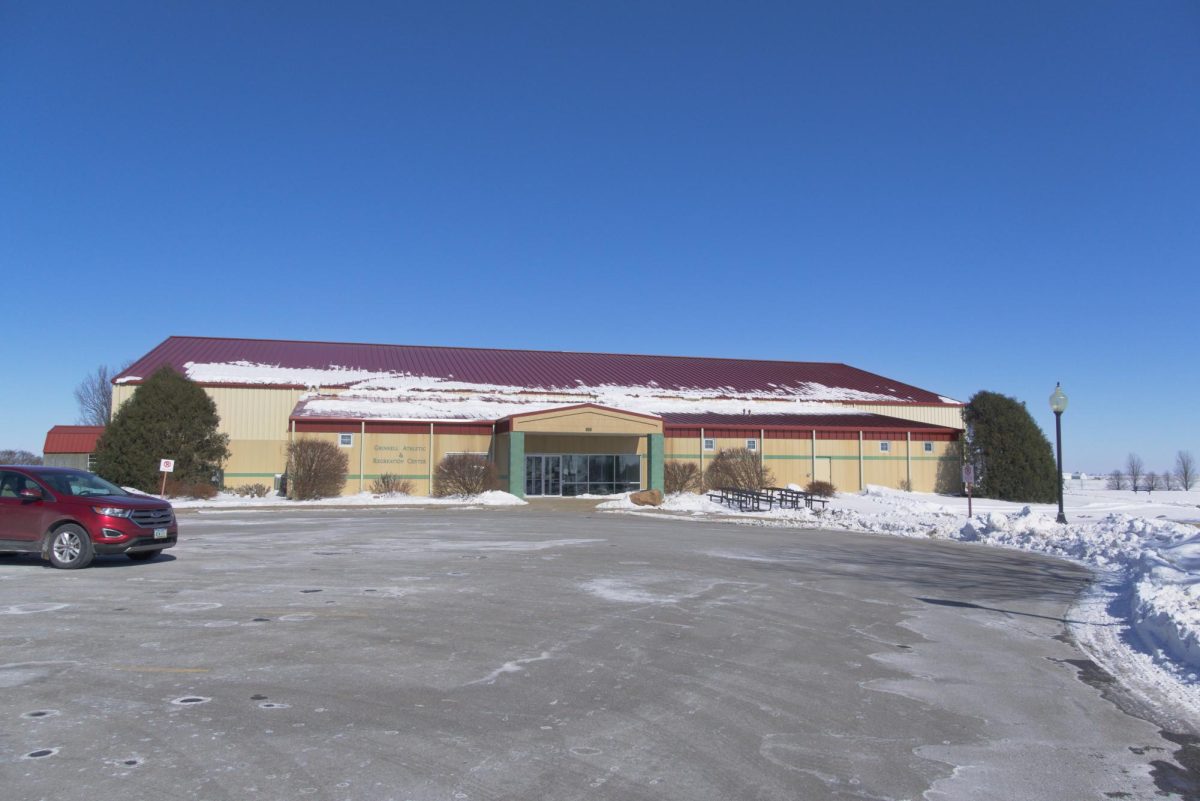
{"points": [[169, 417], [1013, 459]]}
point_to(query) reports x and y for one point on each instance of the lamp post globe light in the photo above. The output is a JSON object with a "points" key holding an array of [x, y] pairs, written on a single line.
{"points": [[1058, 405]]}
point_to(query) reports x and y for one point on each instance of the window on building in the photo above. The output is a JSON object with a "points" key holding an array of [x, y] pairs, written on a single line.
{"points": [[929, 447], [751, 444], [346, 440], [885, 446], [710, 444]]}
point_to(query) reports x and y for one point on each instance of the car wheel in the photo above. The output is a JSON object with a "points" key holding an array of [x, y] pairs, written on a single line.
{"points": [[70, 547], [144, 556]]}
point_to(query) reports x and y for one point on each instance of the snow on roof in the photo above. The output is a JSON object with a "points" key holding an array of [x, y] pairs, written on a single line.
{"points": [[490, 406], [402, 368]]}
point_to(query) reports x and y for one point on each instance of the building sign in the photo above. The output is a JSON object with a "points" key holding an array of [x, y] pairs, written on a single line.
{"points": [[400, 455]]}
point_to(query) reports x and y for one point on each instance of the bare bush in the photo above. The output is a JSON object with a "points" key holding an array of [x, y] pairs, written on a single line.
{"points": [[822, 489], [1168, 480], [1185, 470], [1116, 481], [682, 477], [738, 468], [389, 484], [464, 474], [316, 469], [251, 491], [1134, 468], [93, 396], [906, 485], [1151, 482]]}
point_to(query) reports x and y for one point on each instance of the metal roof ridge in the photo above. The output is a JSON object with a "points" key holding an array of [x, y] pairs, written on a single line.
{"points": [[501, 350]]}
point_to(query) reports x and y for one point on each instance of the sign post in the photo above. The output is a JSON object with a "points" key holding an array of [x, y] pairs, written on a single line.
{"points": [[165, 466], [968, 475]]}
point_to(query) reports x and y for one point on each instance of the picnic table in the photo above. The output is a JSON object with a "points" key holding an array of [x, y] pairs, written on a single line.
{"points": [[788, 498], [765, 499]]}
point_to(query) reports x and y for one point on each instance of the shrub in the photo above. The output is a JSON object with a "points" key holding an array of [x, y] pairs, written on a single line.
{"points": [[738, 468], [168, 417], [464, 474], [251, 491], [388, 484], [906, 485], [190, 489], [1013, 459], [822, 489], [316, 469], [682, 477]]}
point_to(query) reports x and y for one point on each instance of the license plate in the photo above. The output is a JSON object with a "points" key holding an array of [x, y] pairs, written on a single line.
{"points": [[160, 533]]}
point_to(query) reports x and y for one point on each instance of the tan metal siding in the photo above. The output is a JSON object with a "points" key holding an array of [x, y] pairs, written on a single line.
{"points": [[566, 443], [587, 420], [948, 416]]}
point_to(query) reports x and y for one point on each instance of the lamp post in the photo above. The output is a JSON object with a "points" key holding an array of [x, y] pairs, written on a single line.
{"points": [[1058, 405]]}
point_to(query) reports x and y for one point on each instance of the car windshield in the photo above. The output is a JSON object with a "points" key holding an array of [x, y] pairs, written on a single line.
{"points": [[79, 483]]}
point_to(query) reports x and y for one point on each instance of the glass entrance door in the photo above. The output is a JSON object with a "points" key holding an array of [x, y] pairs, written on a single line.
{"points": [[552, 472], [533, 475], [582, 474], [543, 475]]}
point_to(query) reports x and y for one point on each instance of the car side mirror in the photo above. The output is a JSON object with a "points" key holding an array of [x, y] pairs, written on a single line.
{"points": [[30, 494]]}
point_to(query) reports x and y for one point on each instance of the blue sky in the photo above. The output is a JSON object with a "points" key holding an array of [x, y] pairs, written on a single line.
{"points": [[962, 196]]}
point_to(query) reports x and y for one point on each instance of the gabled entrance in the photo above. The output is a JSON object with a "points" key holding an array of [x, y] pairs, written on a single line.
{"points": [[580, 450]]}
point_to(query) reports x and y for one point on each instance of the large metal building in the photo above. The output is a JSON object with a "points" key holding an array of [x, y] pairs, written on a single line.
{"points": [[558, 423]]}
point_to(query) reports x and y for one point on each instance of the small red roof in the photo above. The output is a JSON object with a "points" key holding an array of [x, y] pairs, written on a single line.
{"points": [[72, 439], [531, 368]]}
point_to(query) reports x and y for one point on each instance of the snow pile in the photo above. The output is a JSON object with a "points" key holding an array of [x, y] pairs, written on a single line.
{"points": [[1166, 599], [495, 498], [1157, 560]]}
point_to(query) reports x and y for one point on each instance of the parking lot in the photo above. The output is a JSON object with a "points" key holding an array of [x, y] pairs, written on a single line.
{"points": [[555, 653]]}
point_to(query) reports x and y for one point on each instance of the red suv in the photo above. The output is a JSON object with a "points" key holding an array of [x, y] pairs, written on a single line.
{"points": [[68, 516]]}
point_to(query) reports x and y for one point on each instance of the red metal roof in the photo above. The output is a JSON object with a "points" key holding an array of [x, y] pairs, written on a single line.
{"points": [[72, 439], [529, 368], [857, 422]]}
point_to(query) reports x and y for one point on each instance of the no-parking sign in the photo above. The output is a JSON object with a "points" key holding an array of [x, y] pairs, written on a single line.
{"points": [[166, 465]]}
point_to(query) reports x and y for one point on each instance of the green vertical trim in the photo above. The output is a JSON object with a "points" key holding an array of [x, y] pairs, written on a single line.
{"points": [[516, 463], [654, 453]]}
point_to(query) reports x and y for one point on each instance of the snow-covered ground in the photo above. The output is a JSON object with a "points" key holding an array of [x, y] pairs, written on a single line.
{"points": [[1142, 619], [227, 500]]}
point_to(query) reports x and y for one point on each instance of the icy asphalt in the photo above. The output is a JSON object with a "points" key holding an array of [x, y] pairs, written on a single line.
{"points": [[551, 652]]}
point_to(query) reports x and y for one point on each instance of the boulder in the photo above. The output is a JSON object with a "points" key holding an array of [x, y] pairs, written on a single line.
{"points": [[647, 498]]}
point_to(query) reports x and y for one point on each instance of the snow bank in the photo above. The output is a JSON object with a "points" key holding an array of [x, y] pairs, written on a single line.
{"points": [[227, 500], [1158, 559]]}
